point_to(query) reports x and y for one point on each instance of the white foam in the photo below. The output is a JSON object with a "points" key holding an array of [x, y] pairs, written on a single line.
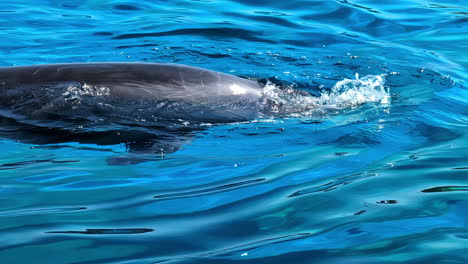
{"points": [[346, 93], [352, 93], [75, 92], [286, 100]]}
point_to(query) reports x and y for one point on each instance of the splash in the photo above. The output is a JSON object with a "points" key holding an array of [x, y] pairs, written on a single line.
{"points": [[347, 93], [287, 101], [352, 93]]}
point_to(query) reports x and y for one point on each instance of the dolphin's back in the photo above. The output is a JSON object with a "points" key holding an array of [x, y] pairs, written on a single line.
{"points": [[198, 93], [159, 80]]}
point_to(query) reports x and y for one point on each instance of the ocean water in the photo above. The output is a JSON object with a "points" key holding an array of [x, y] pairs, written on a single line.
{"points": [[365, 160]]}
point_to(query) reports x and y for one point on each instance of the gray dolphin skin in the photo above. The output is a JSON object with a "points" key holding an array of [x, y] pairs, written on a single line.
{"points": [[195, 93], [150, 107]]}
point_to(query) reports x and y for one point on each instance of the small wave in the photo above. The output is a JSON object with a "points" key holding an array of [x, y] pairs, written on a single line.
{"points": [[347, 93]]}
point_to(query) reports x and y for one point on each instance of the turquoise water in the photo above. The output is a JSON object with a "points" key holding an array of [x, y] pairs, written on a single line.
{"points": [[377, 173]]}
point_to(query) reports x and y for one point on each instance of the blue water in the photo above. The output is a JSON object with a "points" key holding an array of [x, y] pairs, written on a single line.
{"points": [[364, 178]]}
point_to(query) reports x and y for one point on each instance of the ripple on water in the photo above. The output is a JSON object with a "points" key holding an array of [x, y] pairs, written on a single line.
{"points": [[343, 168]]}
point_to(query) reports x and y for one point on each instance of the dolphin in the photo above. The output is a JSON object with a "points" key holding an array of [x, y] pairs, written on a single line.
{"points": [[147, 106]]}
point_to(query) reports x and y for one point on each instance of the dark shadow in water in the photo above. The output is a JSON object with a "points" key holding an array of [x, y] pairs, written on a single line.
{"points": [[206, 32], [16, 165], [447, 189], [117, 231], [136, 140], [387, 202]]}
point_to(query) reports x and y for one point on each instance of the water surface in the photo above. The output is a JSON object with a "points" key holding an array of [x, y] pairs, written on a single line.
{"points": [[377, 174]]}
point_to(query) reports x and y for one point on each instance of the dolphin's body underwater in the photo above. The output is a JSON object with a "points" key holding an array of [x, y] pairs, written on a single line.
{"points": [[108, 103]]}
